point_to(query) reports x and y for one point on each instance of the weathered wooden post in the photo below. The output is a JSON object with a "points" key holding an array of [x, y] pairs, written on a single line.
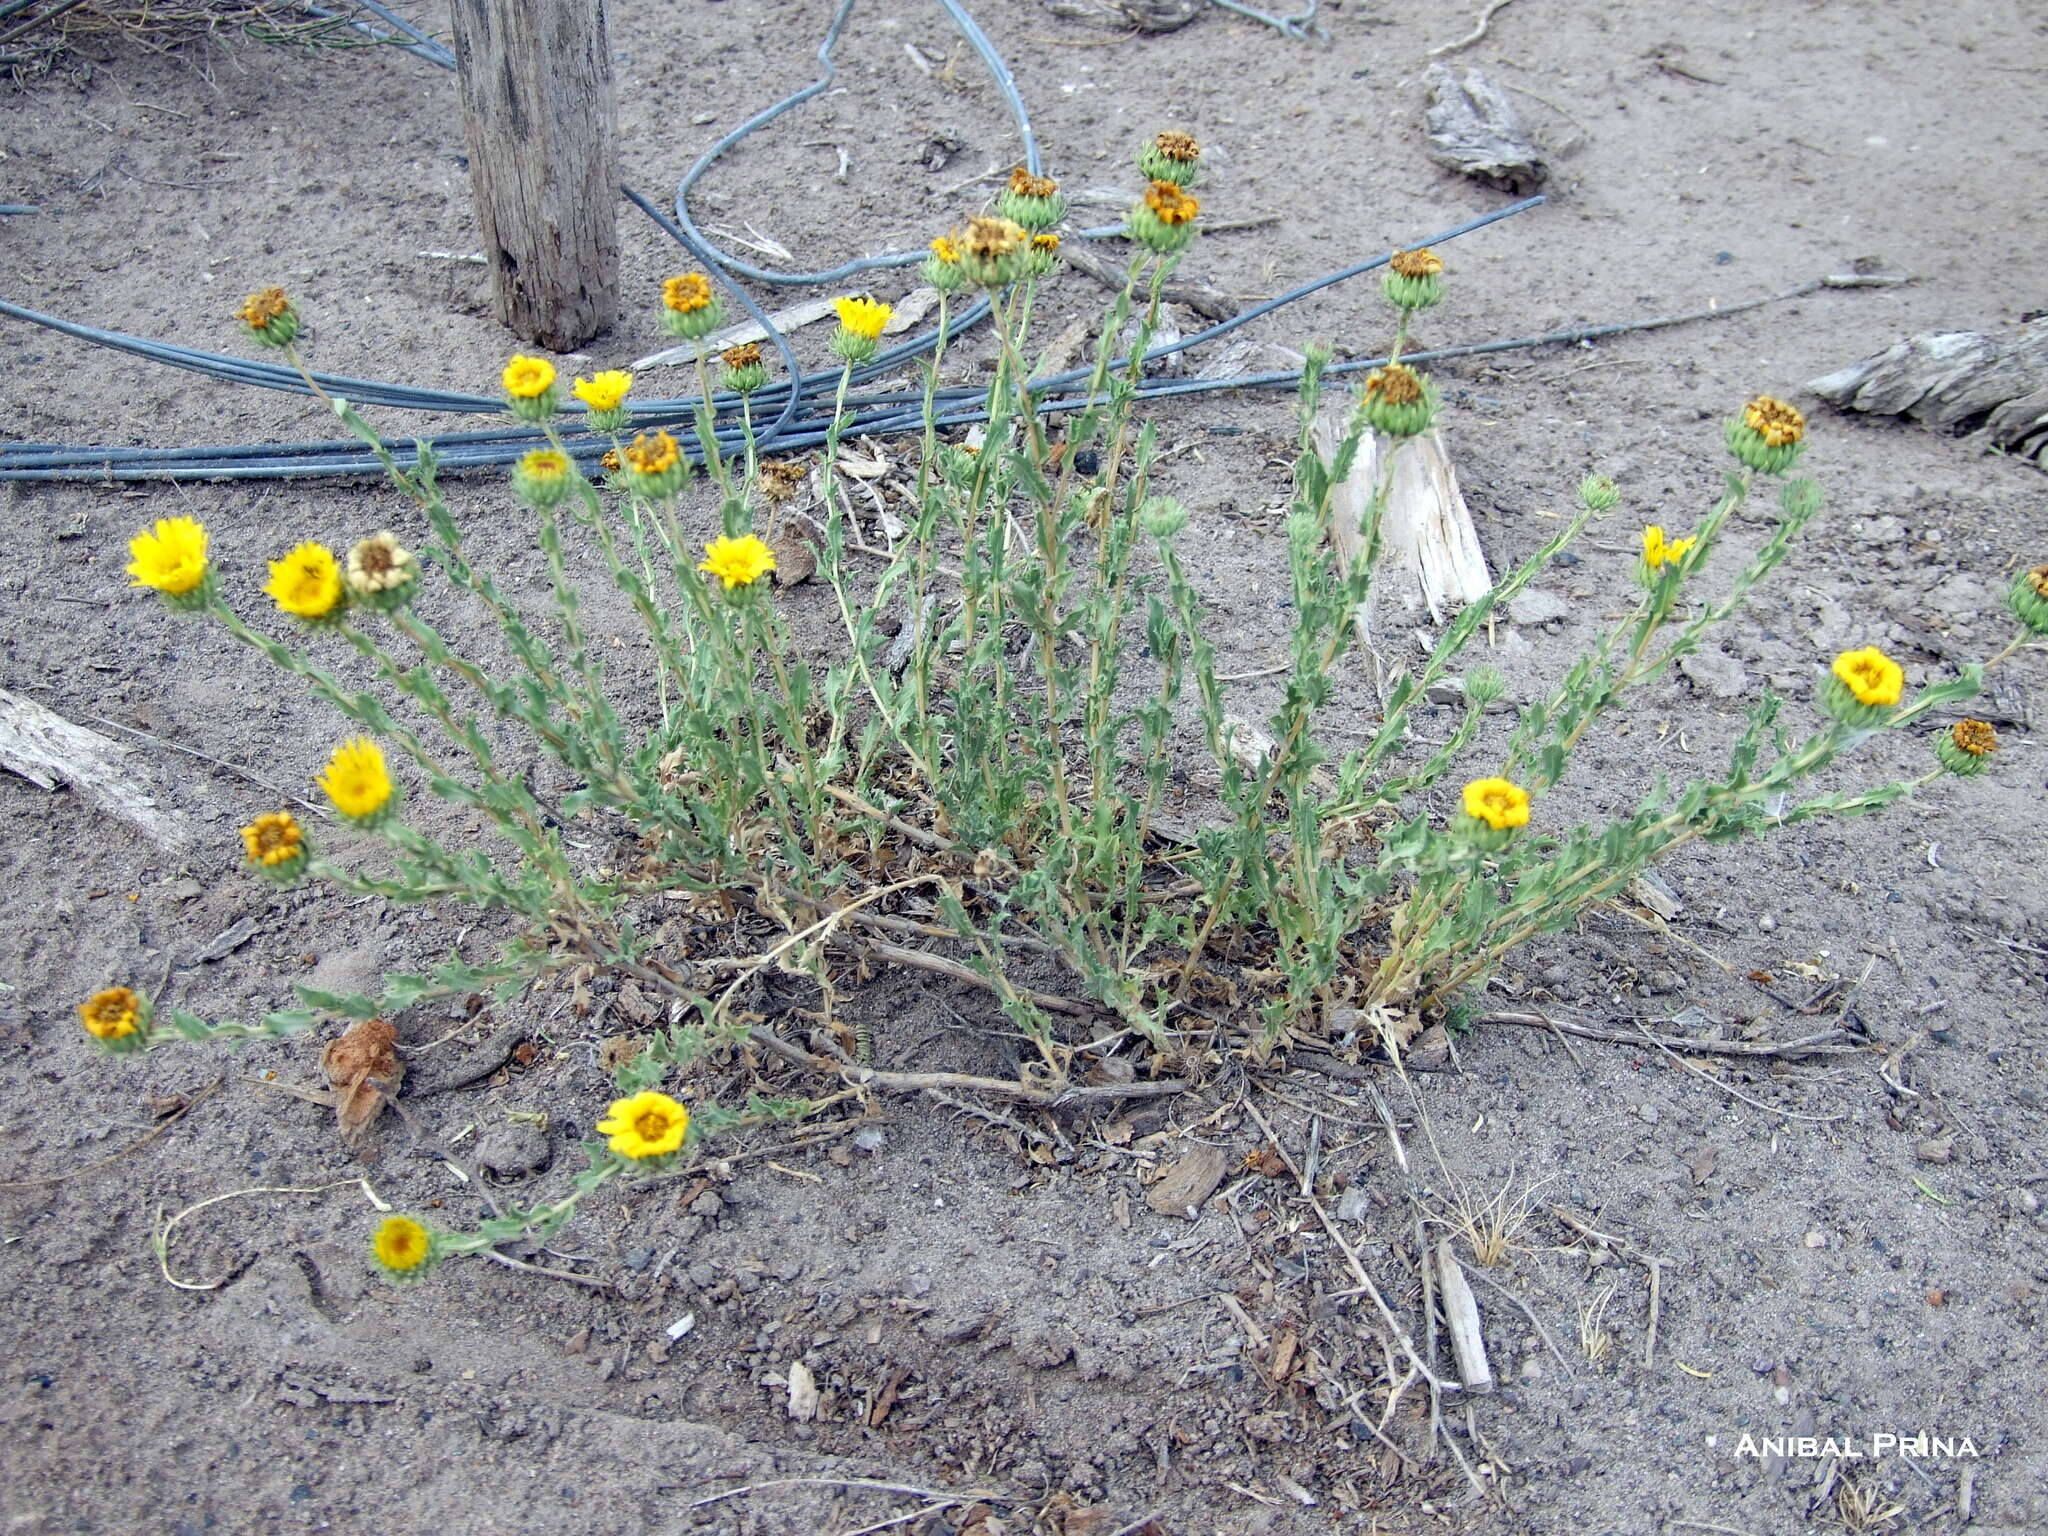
{"points": [[539, 115]]}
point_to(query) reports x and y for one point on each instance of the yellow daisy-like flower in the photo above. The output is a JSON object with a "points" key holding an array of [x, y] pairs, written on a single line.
{"points": [[1873, 677], [356, 780], [945, 250], [111, 1015], [604, 392], [863, 317], [170, 559], [401, 1244], [1777, 423], [307, 582], [1170, 205], [274, 838], [1500, 804], [691, 291], [259, 309], [737, 562], [646, 1125], [1657, 553], [528, 378], [1421, 262]]}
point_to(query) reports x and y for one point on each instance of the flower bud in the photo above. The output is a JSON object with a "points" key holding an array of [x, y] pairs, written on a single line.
{"points": [[941, 269], [993, 252], [381, 573], [543, 478], [654, 466], [1483, 685], [690, 307], [1414, 280], [1767, 436], [1801, 499], [117, 1018], [1032, 201], [1163, 221], [1398, 402], [1965, 748], [1043, 256], [1597, 493], [1173, 156], [744, 370], [271, 318], [2028, 599], [1162, 517]]}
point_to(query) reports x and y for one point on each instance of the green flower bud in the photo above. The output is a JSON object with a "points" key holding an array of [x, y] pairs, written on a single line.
{"points": [[2028, 599], [1398, 402], [1031, 201], [1164, 220], [1174, 157], [1767, 436], [271, 318], [1597, 493], [543, 478], [1414, 280], [690, 307], [1965, 748], [1162, 517]]}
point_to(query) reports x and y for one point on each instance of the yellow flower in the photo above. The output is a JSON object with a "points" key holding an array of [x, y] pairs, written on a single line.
{"points": [[945, 250], [1045, 245], [1873, 677], [606, 391], [356, 779], [737, 562], [528, 378], [863, 317], [652, 455], [401, 1244], [306, 582], [1777, 423], [274, 838], [1170, 205], [689, 292], [1421, 262], [1498, 803], [172, 559], [112, 1014], [1657, 553], [646, 1125]]}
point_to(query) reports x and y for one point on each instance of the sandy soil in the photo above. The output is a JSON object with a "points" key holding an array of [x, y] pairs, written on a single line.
{"points": [[1850, 1245]]}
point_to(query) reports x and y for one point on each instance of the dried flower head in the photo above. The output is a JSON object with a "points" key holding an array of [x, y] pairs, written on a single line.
{"points": [[1025, 184], [1975, 737], [1871, 676], [987, 239], [688, 293], [604, 392], [380, 564], [307, 582], [1172, 156], [1497, 802], [113, 1014], [356, 780], [1395, 384], [781, 479], [259, 309], [2037, 578], [1420, 262], [1170, 205], [402, 1245], [1778, 424], [274, 838], [747, 355], [171, 558], [528, 378], [646, 1125], [737, 562], [1176, 145], [610, 461]]}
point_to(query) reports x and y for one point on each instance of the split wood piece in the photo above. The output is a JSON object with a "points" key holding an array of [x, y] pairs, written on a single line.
{"points": [[48, 750], [1473, 131], [539, 115], [1957, 380], [1461, 1316], [1426, 532]]}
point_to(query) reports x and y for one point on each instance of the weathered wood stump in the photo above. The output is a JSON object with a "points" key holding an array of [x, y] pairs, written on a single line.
{"points": [[539, 115]]}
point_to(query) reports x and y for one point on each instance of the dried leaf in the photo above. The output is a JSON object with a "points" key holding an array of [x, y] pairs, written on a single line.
{"points": [[364, 1069]]}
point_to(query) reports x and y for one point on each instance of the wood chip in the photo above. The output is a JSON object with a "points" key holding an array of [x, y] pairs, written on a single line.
{"points": [[364, 1069], [1188, 1183], [1950, 380], [48, 750], [1473, 131]]}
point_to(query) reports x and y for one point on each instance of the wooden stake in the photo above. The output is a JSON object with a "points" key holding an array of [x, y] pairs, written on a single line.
{"points": [[1461, 1315], [538, 114]]}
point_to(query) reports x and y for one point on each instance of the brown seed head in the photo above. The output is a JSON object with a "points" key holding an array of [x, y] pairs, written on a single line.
{"points": [[2037, 578], [259, 309], [1176, 145], [1024, 184], [987, 239], [1421, 262], [782, 478], [747, 355]]}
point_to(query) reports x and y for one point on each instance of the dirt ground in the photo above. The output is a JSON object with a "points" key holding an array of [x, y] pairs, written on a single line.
{"points": [[1848, 1245]]}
